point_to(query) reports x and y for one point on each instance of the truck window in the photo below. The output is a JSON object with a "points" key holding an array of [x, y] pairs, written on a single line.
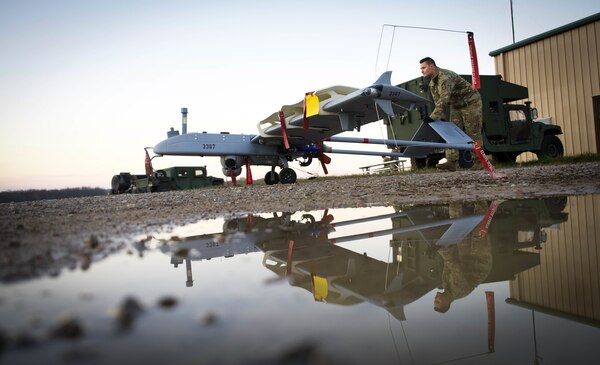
{"points": [[517, 116], [182, 173], [199, 173]]}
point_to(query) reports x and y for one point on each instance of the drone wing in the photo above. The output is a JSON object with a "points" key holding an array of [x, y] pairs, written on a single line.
{"points": [[340, 109]]}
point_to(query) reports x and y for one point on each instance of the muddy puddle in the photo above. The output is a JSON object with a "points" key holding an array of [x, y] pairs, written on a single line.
{"points": [[479, 283]]}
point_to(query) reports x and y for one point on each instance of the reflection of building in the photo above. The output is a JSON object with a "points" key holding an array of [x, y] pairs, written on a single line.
{"points": [[567, 282]]}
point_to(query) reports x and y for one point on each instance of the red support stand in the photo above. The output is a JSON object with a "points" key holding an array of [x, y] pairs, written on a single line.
{"points": [[476, 83], [487, 220], [288, 268], [491, 310], [286, 143], [323, 158], [249, 180], [486, 162], [148, 164]]}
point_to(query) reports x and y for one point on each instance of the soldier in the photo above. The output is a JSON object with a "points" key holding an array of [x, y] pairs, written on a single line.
{"points": [[466, 264], [449, 89]]}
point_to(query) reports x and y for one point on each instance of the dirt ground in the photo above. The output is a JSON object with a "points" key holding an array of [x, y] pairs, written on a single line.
{"points": [[34, 236]]}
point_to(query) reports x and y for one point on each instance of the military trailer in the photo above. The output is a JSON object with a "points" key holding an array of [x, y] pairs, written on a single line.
{"points": [[509, 129], [172, 178]]}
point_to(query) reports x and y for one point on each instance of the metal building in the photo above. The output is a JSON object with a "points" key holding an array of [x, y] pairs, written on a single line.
{"points": [[561, 69]]}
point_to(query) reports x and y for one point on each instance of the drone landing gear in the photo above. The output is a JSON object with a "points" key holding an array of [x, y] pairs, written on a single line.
{"points": [[271, 178], [285, 176]]}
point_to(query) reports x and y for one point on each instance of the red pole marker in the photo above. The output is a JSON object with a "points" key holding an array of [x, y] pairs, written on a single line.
{"points": [[249, 180], [486, 162], [249, 221], [487, 220], [286, 143], [491, 311], [474, 65], [148, 164], [288, 268]]}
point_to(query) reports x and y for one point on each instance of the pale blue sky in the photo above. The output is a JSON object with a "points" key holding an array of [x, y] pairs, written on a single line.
{"points": [[86, 85]]}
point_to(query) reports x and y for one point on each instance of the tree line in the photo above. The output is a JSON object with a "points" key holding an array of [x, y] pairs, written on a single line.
{"points": [[43, 194]]}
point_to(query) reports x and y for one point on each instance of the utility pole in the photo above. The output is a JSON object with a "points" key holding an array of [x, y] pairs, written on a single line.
{"points": [[512, 21]]}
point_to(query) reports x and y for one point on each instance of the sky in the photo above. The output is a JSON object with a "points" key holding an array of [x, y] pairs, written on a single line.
{"points": [[86, 85]]}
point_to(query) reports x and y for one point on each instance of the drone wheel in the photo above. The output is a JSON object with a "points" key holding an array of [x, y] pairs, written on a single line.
{"points": [[287, 176], [306, 162], [271, 178]]}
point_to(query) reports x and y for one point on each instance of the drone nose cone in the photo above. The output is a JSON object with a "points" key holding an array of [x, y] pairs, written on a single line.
{"points": [[372, 92], [367, 91]]}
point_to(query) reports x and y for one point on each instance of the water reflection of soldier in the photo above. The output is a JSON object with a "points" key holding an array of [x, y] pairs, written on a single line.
{"points": [[466, 264]]}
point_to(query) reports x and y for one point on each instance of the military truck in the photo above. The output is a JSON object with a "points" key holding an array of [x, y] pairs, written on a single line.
{"points": [[509, 129], [172, 178]]}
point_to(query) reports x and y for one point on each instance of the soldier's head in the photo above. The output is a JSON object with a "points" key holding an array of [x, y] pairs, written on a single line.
{"points": [[428, 67], [442, 302]]}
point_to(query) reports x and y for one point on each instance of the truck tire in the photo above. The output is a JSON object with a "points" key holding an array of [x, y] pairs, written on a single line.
{"points": [[433, 160], [162, 187], [120, 183], [418, 163], [216, 181], [114, 184], [556, 205], [551, 147], [465, 159], [421, 163]]}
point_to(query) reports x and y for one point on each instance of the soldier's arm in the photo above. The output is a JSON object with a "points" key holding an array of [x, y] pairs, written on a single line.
{"points": [[444, 89]]}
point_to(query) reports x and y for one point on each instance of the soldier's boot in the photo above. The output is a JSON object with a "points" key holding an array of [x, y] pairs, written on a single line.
{"points": [[447, 166]]}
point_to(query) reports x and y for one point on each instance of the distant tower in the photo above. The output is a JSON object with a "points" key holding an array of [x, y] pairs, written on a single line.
{"points": [[183, 120]]}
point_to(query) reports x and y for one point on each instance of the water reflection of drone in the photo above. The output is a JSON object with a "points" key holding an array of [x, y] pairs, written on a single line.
{"points": [[302, 251]]}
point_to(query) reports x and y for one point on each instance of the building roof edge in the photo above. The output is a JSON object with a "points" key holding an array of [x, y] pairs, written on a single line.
{"points": [[539, 37]]}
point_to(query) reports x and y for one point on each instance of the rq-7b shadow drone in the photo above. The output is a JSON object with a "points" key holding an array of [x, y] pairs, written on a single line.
{"points": [[297, 131]]}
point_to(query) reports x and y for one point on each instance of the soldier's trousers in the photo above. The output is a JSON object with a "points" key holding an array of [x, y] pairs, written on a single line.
{"points": [[469, 119]]}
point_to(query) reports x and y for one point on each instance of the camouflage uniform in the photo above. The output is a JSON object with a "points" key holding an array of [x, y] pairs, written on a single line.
{"points": [[447, 88], [468, 263]]}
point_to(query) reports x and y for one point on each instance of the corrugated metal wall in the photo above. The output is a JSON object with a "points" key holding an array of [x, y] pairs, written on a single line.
{"points": [[562, 73], [568, 277]]}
